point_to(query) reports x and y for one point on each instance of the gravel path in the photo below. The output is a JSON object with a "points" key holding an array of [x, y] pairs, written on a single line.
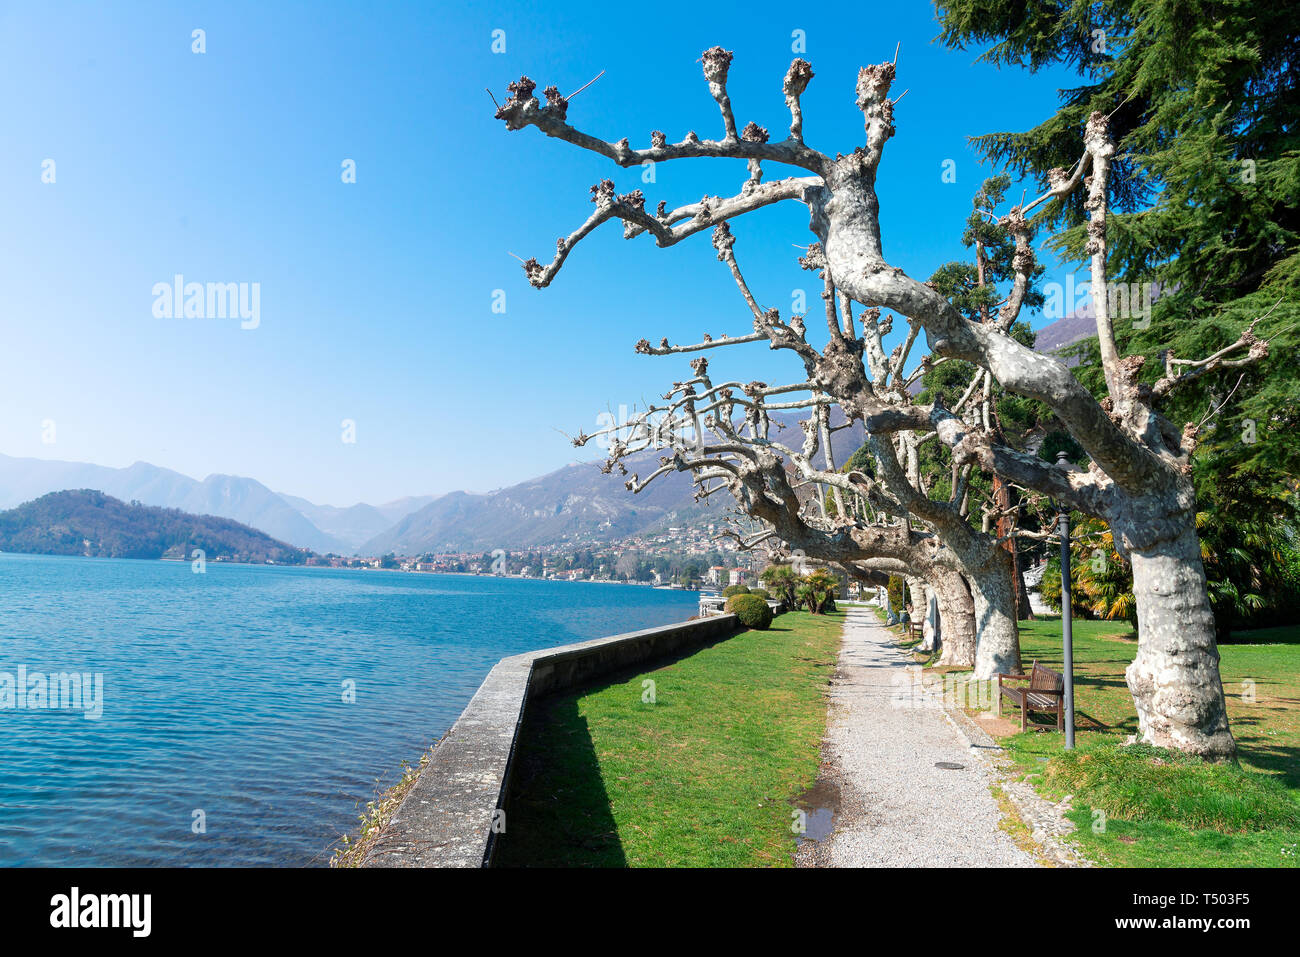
{"points": [[882, 741]]}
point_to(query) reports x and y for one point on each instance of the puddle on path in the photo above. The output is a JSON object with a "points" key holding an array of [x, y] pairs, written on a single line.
{"points": [[820, 803]]}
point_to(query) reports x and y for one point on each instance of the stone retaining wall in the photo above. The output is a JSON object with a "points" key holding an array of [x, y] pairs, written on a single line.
{"points": [[447, 818]]}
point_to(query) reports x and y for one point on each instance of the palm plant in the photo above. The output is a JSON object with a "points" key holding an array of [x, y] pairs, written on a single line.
{"points": [[818, 590], [783, 581], [1101, 582], [1247, 566]]}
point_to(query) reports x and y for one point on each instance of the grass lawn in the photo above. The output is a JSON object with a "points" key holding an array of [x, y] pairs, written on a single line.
{"points": [[702, 777], [1160, 810]]}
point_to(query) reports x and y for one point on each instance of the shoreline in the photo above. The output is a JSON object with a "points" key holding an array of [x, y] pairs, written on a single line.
{"points": [[347, 568]]}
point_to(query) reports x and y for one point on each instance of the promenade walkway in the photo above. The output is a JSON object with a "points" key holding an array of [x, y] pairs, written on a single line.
{"points": [[883, 740]]}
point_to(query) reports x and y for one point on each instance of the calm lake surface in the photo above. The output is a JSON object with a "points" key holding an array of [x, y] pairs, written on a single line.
{"points": [[224, 693]]}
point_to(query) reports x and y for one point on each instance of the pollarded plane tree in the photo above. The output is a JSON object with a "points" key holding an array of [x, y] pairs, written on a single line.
{"points": [[723, 434], [1139, 476], [872, 524]]}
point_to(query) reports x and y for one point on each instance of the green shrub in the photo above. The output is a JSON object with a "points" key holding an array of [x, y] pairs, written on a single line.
{"points": [[895, 591], [751, 610], [734, 590], [762, 593], [1143, 783]]}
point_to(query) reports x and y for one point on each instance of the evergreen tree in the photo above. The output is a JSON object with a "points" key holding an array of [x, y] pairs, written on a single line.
{"points": [[1204, 106]]}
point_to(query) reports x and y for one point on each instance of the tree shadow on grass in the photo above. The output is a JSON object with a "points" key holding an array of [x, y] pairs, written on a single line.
{"points": [[557, 808], [1252, 731], [558, 813], [1279, 760]]}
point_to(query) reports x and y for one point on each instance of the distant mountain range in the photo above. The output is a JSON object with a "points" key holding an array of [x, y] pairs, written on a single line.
{"points": [[88, 522], [572, 503], [227, 496], [577, 502]]}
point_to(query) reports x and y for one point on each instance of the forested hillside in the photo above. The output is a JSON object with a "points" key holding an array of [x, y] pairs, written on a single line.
{"points": [[87, 522]]}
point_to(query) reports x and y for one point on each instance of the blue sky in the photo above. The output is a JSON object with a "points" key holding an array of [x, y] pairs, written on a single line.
{"points": [[376, 297]]}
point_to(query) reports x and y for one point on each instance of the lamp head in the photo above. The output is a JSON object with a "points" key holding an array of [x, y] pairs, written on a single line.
{"points": [[1062, 461]]}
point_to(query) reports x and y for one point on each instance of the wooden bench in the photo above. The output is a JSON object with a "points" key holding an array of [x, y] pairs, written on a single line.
{"points": [[1045, 693]]}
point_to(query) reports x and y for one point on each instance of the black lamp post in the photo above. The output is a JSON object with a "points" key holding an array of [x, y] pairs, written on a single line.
{"points": [[1067, 632]]}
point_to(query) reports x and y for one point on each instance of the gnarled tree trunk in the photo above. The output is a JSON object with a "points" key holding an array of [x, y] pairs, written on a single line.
{"points": [[915, 600], [997, 648], [1175, 677], [957, 614]]}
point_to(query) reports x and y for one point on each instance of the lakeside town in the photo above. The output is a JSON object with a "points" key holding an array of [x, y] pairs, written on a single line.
{"points": [[687, 557]]}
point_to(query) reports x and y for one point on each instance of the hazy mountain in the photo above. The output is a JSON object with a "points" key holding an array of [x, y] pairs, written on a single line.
{"points": [[1066, 332], [228, 496], [348, 527], [397, 510], [576, 500], [88, 522], [252, 503]]}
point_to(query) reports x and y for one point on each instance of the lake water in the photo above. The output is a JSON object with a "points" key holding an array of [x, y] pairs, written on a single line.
{"points": [[223, 693]]}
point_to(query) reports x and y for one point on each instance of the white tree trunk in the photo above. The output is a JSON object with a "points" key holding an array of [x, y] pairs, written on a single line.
{"points": [[957, 615], [915, 597], [1175, 677], [929, 634], [997, 647], [931, 626]]}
